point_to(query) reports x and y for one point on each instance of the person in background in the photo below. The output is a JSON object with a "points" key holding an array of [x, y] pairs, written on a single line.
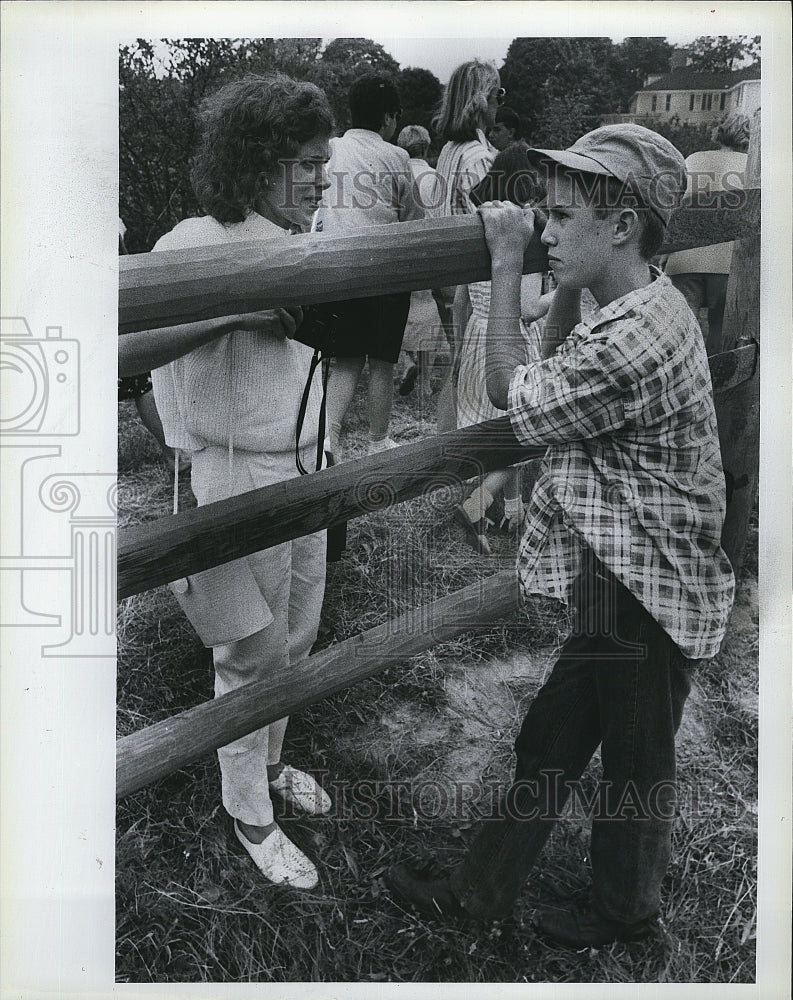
{"points": [[233, 403], [507, 130], [701, 273], [467, 111], [510, 179], [423, 332], [372, 186], [625, 522]]}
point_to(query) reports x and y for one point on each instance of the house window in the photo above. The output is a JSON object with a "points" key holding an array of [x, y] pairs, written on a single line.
{"points": [[691, 100], [721, 101], [668, 101], [655, 102], [740, 95]]}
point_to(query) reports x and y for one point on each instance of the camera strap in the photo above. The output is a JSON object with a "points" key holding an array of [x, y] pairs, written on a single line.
{"points": [[317, 360]]}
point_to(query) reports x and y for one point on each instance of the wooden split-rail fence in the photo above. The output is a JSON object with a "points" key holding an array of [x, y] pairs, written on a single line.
{"points": [[163, 289]]}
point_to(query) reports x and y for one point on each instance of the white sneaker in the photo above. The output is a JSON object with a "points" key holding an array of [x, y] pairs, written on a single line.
{"points": [[279, 860], [301, 789], [383, 445]]}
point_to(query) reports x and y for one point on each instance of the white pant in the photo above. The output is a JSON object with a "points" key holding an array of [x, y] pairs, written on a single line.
{"points": [[291, 577]]}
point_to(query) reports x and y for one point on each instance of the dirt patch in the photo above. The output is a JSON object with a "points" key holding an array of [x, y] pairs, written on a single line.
{"points": [[469, 736], [488, 700]]}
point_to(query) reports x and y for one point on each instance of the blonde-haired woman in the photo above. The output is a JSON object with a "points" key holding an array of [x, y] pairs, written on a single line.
{"points": [[468, 109]]}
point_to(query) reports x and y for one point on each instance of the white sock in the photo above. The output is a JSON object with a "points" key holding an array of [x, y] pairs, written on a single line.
{"points": [[513, 508], [477, 504]]}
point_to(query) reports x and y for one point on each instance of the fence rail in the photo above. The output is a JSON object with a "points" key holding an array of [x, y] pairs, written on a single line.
{"points": [[179, 286]]}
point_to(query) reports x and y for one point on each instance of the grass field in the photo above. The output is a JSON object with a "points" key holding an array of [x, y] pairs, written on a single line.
{"points": [[190, 905]]}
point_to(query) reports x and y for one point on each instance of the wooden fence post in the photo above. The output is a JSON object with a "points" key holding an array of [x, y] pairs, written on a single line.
{"points": [[738, 413]]}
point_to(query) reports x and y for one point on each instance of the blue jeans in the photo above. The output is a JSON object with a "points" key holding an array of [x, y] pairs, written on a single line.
{"points": [[621, 683]]}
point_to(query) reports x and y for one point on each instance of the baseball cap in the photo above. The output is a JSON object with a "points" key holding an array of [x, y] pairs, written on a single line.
{"points": [[642, 159]]}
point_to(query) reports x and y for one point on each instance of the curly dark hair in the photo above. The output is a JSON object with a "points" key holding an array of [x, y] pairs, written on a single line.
{"points": [[246, 128]]}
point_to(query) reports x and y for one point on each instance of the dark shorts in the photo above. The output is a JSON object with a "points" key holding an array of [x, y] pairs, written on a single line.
{"points": [[371, 327]]}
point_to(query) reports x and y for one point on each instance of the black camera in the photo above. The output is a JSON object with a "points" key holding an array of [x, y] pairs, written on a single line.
{"points": [[318, 328]]}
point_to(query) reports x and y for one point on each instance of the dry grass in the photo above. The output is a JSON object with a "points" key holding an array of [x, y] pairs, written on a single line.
{"points": [[191, 909]]}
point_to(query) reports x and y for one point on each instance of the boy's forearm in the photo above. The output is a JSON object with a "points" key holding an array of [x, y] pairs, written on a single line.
{"points": [[564, 313], [505, 346]]}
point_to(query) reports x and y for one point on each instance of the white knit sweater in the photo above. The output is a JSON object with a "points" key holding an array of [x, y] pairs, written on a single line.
{"points": [[242, 390]]}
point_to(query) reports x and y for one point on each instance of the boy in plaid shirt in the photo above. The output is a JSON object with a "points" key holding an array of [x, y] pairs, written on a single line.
{"points": [[625, 522]]}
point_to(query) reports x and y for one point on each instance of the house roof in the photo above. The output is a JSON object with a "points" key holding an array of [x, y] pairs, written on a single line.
{"points": [[688, 78]]}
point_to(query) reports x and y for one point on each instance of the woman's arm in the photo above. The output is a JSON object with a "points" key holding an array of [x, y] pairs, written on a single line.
{"points": [[143, 350]]}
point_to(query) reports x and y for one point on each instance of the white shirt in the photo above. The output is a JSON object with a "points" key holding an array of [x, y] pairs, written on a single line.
{"points": [[371, 184]]}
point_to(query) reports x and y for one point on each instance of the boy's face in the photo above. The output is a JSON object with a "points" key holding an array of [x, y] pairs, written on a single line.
{"points": [[577, 241]]}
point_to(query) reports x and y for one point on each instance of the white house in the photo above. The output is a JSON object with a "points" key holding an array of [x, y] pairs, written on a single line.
{"points": [[692, 96]]}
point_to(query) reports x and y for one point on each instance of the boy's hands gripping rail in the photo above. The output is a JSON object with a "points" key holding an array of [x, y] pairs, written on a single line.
{"points": [[508, 232]]}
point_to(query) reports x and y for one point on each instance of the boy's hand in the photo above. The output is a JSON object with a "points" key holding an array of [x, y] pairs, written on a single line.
{"points": [[279, 323], [508, 229]]}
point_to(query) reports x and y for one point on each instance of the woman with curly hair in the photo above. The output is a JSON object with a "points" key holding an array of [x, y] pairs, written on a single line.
{"points": [[233, 403]]}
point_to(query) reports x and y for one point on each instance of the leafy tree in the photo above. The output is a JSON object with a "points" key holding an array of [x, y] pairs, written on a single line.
{"points": [[543, 74], [421, 93], [559, 85], [634, 59], [361, 54], [724, 53], [343, 61], [563, 119]]}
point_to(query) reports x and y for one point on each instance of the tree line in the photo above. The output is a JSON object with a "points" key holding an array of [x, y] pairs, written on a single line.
{"points": [[559, 86]]}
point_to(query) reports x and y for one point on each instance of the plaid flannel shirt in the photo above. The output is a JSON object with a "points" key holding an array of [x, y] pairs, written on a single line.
{"points": [[633, 468]]}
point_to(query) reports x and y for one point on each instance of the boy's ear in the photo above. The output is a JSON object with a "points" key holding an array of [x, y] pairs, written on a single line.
{"points": [[625, 226]]}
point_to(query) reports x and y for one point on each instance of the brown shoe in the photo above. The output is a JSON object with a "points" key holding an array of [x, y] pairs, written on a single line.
{"points": [[577, 925], [431, 897]]}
